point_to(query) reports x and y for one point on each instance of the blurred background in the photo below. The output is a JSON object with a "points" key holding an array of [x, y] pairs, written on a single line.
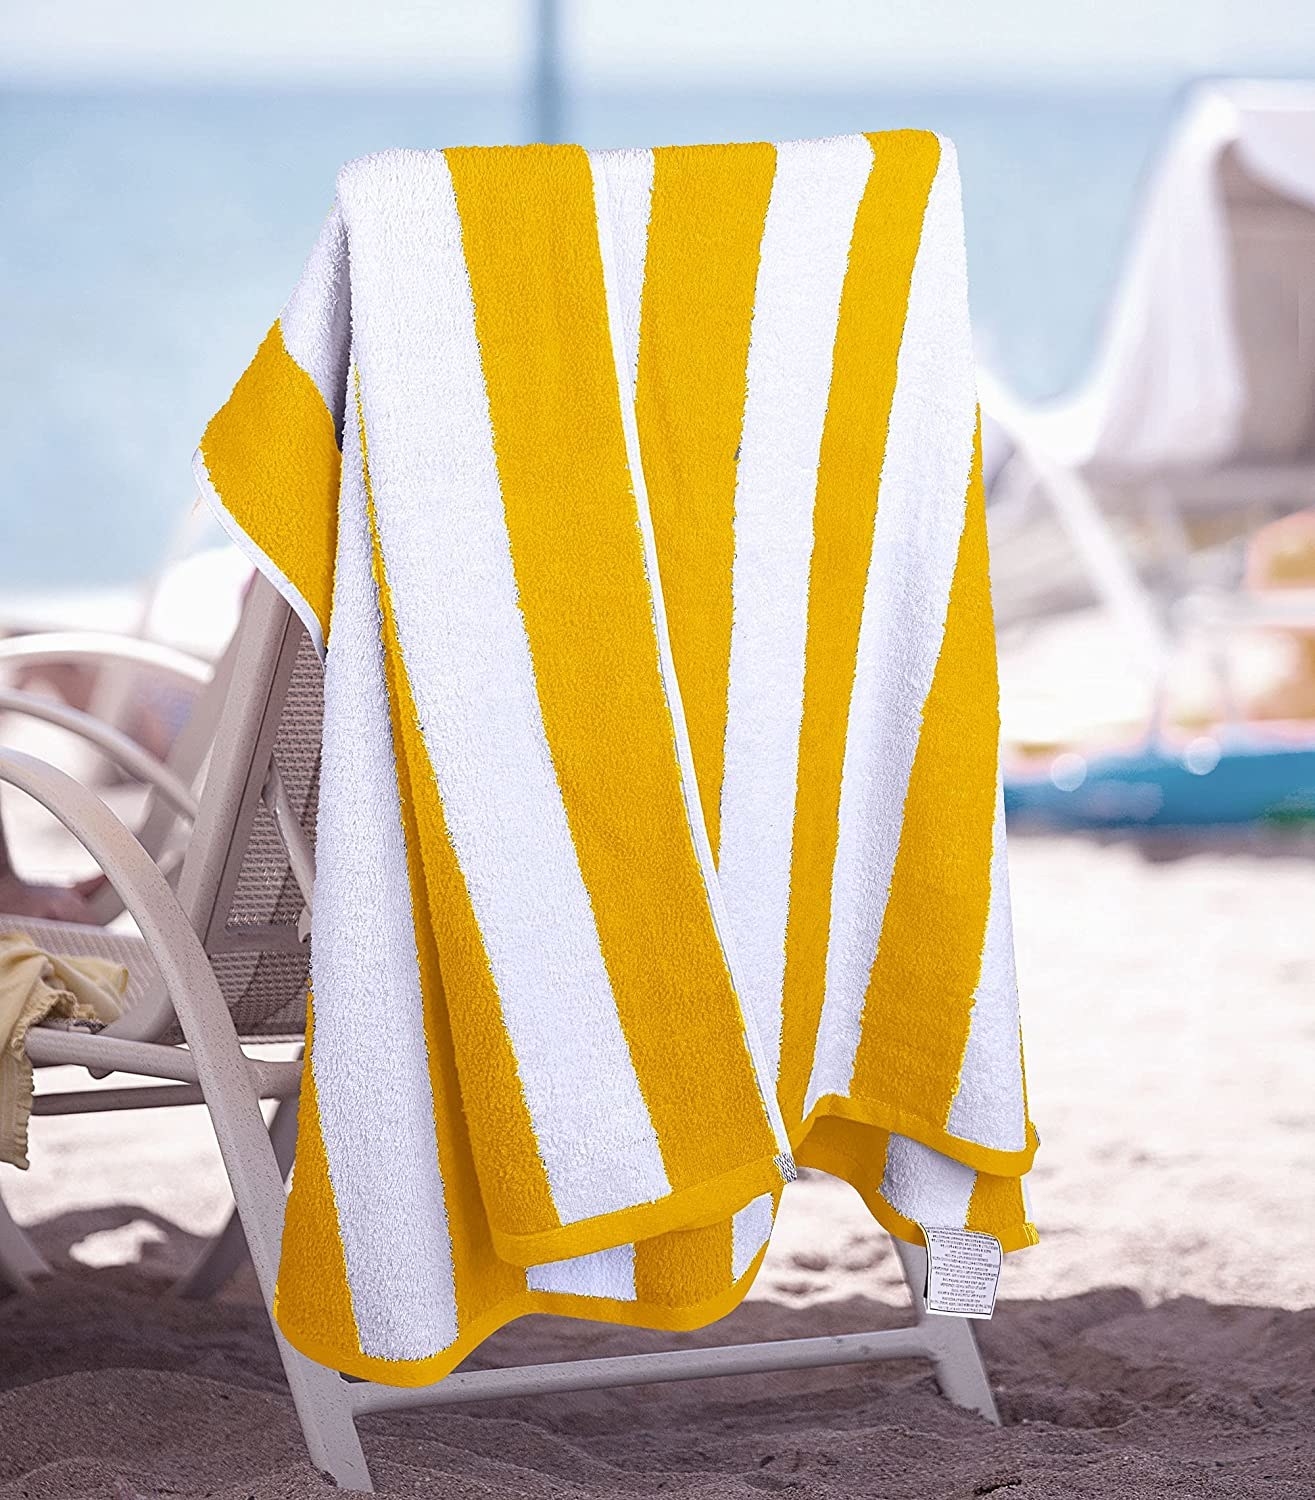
{"points": [[1139, 186], [164, 168]]}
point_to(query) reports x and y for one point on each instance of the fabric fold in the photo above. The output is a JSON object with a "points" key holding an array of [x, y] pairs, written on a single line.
{"points": [[37, 987]]}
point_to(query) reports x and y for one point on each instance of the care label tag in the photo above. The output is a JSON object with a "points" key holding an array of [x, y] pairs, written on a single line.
{"points": [[963, 1272]]}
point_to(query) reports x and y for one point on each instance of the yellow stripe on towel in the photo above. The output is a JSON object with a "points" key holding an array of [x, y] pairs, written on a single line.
{"points": [[313, 1295], [531, 250], [944, 863], [705, 229], [483, 1280], [272, 455], [872, 309]]}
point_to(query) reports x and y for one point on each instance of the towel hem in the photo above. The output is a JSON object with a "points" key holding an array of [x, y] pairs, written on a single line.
{"points": [[434, 1367], [688, 1208], [902, 1122], [841, 1164]]}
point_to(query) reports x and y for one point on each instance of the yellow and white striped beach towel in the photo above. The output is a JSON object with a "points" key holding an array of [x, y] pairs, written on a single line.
{"points": [[636, 496]]}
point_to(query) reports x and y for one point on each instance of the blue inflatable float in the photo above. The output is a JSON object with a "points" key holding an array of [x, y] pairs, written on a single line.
{"points": [[1239, 777]]}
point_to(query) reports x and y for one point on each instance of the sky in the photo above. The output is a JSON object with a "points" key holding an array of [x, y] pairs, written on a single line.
{"points": [[751, 42]]}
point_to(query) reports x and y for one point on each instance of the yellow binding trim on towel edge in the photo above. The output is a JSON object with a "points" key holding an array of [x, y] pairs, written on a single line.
{"points": [[690, 1208], [561, 1304], [902, 1122], [828, 1157]]}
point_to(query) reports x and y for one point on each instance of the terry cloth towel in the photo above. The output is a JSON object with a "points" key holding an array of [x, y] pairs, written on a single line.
{"points": [[637, 497], [36, 986]]}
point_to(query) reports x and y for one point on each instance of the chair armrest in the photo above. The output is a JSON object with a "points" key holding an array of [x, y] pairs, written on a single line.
{"points": [[101, 648], [182, 963], [113, 743]]}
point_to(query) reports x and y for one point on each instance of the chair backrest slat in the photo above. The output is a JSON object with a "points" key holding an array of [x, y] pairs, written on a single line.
{"points": [[236, 885]]}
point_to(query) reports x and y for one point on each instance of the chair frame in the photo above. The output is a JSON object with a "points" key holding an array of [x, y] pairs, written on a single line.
{"points": [[212, 1068]]}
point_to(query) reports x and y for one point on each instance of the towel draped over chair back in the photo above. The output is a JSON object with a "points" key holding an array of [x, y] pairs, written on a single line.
{"points": [[635, 498]]}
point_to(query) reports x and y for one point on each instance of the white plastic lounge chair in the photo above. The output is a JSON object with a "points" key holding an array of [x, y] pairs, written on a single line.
{"points": [[224, 960], [1199, 420], [162, 831]]}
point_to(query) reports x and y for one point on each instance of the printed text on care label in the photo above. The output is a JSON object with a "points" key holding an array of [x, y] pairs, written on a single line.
{"points": [[963, 1272]]}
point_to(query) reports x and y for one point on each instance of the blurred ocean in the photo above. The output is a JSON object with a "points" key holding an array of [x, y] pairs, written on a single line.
{"points": [[148, 239]]}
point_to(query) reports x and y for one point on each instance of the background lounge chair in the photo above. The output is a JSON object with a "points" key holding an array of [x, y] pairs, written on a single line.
{"points": [[1198, 423]]}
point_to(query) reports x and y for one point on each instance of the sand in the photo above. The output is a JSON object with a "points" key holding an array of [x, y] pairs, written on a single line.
{"points": [[1155, 1343]]}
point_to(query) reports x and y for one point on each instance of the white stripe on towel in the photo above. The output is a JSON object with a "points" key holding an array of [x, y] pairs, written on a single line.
{"points": [[444, 536], [605, 1273], [920, 509], [369, 1055], [628, 202], [750, 1230], [988, 1107], [316, 322], [926, 1186], [805, 250]]}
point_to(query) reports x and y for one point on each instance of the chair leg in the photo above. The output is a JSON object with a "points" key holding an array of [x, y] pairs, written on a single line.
{"points": [[328, 1423], [960, 1372], [321, 1395], [222, 1256], [20, 1260]]}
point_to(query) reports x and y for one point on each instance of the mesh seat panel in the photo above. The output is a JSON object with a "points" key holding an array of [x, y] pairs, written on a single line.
{"points": [[265, 983]]}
